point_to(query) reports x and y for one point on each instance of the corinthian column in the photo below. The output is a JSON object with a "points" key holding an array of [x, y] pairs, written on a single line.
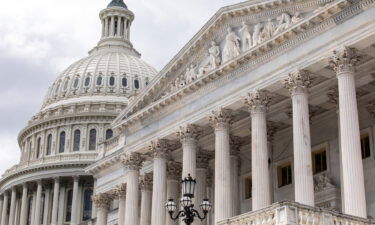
{"points": [[160, 149], [102, 203], [203, 158], [12, 206], [38, 204], [121, 194], [55, 201], [298, 84], [220, 120], [146, 196], [344, 62], [235, 145], [24, 203], [75, 210], [258, 102], [174, 171], [133, 162], [4, 213]]}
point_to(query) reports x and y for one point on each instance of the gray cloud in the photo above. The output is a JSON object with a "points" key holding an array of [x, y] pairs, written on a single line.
{"points": [[39, 38]]}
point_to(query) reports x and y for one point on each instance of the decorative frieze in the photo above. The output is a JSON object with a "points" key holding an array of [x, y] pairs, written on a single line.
{"points": [[145, 181], [257, 101], [174, 170], [220, 118], [298, 82], [344, 60], [102, 200], [132, 160]]}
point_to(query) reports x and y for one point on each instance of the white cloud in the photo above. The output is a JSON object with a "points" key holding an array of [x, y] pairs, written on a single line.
{"points": [[40, 38]]}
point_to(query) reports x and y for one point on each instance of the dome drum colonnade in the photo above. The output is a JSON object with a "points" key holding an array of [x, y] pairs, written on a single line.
{"points": [[66, 134]]}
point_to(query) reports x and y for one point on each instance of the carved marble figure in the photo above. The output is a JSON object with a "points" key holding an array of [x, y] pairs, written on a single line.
{"points": [[246, 37], [284, 23], [296, 18], [256, 34], [190, 74], [232, 46], [267, 31]]}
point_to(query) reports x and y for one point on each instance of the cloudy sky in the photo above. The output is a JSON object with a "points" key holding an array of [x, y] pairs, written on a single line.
{"points": [[39, 38]]}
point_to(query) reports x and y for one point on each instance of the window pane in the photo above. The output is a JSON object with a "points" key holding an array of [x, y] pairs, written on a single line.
{"points": [[284, 175], [124, 82], [99, 80], [92, 141], [108, 134], [38, 148], [87, 205], [62, 142], [75, 83], [87, 81], [136, 84], [69, 206], [111, 81], [365, 146], [77, 140], [49, 144], [248, 188], [66, 85]]}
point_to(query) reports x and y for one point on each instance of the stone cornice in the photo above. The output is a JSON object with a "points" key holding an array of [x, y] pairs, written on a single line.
{"points": [[305, 29]]}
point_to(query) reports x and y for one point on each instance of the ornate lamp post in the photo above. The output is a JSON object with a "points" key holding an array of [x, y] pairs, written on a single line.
{"points": [[188, 212]]}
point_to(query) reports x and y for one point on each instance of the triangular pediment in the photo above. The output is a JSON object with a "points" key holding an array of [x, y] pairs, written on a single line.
{"points": [[235, 35]]}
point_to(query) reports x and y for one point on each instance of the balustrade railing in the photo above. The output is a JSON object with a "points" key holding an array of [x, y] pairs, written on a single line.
{"points": [[291, 213]]}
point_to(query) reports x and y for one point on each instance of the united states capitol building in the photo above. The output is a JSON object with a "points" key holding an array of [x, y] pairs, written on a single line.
{"points": [[270, 107]]}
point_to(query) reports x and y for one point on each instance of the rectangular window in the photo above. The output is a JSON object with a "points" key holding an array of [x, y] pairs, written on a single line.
{"points": [[284, 174], [365, 146], [248, 186], [319, 159]]}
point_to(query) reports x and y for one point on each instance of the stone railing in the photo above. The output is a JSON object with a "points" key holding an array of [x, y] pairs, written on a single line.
{"points": [[290, 213], [72, 157]]}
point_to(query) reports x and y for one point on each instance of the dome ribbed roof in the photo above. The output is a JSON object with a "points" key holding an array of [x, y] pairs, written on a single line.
{"points": [[118, 3], [108, 75]]}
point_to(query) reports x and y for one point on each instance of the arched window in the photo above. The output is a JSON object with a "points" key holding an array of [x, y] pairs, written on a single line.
{"points": [[76, 140], [92, 140], [87, 204], [68, 210], [124, 82], [62, 142], [87, 81], [49, 144], [38, 148], [57, 88], [136, 84], [108, 134], [112, 81], [99, 80], [66, 85], [75, 83]]}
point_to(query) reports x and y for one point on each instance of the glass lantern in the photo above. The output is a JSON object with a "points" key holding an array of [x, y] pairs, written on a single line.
{"points": [[188, 186], [206, 206], [186, 201], [171, 206]]}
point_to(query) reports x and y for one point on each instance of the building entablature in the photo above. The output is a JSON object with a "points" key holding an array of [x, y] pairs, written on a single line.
{"points": [[186, 76]]}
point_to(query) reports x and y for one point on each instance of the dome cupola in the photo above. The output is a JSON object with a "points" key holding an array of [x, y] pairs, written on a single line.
{"points": [[117, 3]]}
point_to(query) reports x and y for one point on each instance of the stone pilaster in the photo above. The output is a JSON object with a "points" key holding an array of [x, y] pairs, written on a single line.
{"points": [[146, 197], [257, 103], [132, 162], [343, 62], [298, 84], [160, 149], [188, 136], [102, 202], [120, 193], [174, 171], [220, 121]]}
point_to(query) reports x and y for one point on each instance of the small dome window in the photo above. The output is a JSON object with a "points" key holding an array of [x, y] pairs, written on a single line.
{"points": [[147, 82], [66, 85], [108, 134], [136, 84], [87, 81], [112, 81], [99, 80], [75, 83], [57, 88], [124, 82]]}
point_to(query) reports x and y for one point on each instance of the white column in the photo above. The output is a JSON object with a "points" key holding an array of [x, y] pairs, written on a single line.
{"points": [[188, 136], [344, 62], [112, 28], [203, 158], [24, 204], [4, 216], [121, 194], [38, 204], [220, 120], [102, 203], [12, 206], [257, 103], [125, 29], [46, 215], [234, 173], [174, 171], [93, 211], [75, 210], [118, 26], [1, 206], [33, 204], [55, 202], [132, 163], [298, 84], [146, 197], [160, 149]]}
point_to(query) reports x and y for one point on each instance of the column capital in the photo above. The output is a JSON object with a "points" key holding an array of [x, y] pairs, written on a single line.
{"points": [[132, 160], [145, 181], [174, 170], [189, 132], [102, 200], [203, 158], [39, 182], [75, 178], [120, 190], [235, 144], [344, 60], [257, 101], [56, 179], [160, 148], [298, 82], [220, 118]]}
